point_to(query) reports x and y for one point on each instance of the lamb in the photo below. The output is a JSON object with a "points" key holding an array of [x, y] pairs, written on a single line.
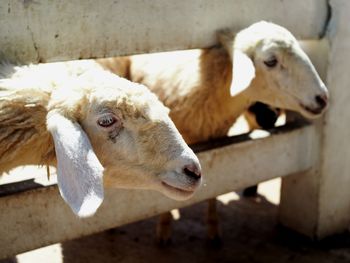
{"points": [[208, 89], [98, 130]]}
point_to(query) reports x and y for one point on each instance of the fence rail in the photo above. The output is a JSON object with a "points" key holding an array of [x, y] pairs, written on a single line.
{"points": [[37, 30]]}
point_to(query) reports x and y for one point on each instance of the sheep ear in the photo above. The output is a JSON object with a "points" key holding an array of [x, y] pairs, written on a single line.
{"points": [[243, 72], [79, 172]]}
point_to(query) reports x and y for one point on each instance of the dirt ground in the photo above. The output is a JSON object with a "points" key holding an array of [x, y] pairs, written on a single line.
{"points": [[250, 234]]}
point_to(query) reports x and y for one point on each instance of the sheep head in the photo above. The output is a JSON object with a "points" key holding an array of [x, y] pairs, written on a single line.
{"points": [[269, 65], [110, 131]]}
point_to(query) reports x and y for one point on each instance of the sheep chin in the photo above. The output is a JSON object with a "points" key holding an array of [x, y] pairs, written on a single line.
{"points": [[310, 112], [176, 194]]}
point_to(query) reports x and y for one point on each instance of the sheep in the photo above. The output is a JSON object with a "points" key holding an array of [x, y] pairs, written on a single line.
{"points": [[208, 89], [98, 130]]}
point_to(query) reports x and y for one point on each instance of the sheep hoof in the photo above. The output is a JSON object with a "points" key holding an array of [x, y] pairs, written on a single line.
{"points": [[214, 241], [251, 191]]}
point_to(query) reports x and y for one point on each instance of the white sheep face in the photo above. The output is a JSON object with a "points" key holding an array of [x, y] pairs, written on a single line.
{"points": [[270, 65], [290, 80], [137, 143], [112, 132]]}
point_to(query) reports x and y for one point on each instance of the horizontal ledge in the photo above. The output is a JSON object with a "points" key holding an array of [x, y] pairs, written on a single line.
{"points": [[43, 31], [39, 217], [225, 141]]}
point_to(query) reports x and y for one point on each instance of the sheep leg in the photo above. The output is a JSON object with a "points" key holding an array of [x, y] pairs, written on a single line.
{"points": [[213, 228], [164, 229]]}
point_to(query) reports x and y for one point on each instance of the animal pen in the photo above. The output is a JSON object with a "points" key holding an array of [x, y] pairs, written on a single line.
{"points": [[310, 157]]}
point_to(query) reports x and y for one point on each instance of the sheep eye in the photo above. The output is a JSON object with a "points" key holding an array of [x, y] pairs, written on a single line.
{"points": [[271, 63], [106, 121]]}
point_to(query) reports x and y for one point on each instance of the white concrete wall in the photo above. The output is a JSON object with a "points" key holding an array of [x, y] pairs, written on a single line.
{"points": [[317, 203], [335, 184], [43, 30]]}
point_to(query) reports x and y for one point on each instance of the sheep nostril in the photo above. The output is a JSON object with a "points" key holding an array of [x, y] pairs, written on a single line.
{"points": [[321, 101], [192, 171]]}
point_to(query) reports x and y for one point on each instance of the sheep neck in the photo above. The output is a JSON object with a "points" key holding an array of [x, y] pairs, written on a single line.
{"points": [[24, 139], [208, 111]]}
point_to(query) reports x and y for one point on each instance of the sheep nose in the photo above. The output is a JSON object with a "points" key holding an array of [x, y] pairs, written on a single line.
{"points": [[193, 171], [321, 101]]}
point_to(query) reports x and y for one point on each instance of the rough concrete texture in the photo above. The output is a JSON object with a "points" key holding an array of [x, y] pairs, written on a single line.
{"points": [[250, 234], [79, 29]]}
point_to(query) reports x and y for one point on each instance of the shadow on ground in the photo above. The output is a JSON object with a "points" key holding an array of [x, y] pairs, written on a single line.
{"points": [[250, 234]]}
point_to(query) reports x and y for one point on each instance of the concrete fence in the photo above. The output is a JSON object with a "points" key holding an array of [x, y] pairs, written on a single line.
{"points": [[313, 159]]}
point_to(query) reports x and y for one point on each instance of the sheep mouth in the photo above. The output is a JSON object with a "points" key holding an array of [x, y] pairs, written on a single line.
{"points": [[313, 111], [177, 190]]}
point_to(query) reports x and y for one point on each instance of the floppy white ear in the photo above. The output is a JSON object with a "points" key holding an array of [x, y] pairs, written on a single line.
{"points": [[243, 72], [79, 172]]}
